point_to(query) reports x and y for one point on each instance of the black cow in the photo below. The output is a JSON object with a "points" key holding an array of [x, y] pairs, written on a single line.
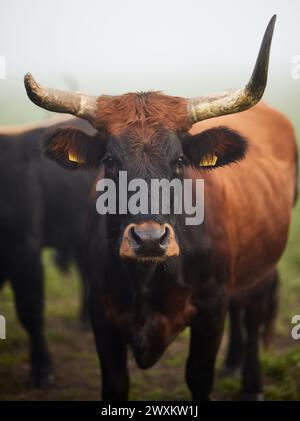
{"points": [[41, 205]]}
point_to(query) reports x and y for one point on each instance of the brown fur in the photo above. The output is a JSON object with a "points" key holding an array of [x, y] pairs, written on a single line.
{"points": [[118, 113], [248, 206]]}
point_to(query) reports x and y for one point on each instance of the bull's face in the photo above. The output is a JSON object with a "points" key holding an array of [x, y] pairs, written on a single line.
{"points": [[145, 152]]}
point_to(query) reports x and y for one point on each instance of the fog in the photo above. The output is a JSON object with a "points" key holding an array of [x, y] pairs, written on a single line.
{"points": [[182, 48]]}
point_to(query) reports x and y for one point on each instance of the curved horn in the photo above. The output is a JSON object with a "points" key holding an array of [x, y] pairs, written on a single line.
{"points": [[78, 104], [234, 101]]}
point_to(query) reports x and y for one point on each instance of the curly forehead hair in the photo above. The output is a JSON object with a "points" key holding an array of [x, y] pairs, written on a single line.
{"points": [[152, 109]]}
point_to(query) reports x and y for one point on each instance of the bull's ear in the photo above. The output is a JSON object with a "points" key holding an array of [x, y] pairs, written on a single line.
{"points": [[214, 147], [73, 149]]}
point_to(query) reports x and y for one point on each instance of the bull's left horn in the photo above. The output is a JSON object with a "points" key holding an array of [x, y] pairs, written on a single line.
{"points": [[234, 101], [78, 104]]}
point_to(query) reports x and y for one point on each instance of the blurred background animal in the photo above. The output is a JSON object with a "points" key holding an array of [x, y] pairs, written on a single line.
{"points": [[42, 205]]}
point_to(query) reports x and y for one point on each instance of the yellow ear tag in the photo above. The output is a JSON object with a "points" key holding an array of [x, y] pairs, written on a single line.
{"points": [[208, 161], [74, 158]]}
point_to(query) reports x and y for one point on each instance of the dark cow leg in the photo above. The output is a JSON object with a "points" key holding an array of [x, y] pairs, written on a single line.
{"points": [[251, 377], [260, 313], [112, 352], [84, 314], [27, 282], [84, 308], [234, 355], [206, 334]]}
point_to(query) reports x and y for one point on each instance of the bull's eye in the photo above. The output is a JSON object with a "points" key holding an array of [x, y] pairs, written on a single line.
{"points": [[180, 162], [178, 165], [110, 164]]}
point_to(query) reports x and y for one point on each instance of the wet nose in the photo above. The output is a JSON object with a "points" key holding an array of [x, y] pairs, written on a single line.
{"points": [[150, 239]]}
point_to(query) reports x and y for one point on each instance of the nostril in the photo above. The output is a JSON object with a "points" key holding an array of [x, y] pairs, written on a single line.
{"points": [[165, 236], [135, 236]]}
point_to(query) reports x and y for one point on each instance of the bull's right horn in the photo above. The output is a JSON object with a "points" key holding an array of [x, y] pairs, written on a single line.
{"points": [[78, 104]]}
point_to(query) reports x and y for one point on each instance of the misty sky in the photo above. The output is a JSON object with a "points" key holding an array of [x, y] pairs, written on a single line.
{"points": [[184, 48]]}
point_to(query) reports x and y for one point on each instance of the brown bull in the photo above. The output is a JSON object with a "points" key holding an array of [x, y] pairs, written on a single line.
{"points": [[153, 275]]}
